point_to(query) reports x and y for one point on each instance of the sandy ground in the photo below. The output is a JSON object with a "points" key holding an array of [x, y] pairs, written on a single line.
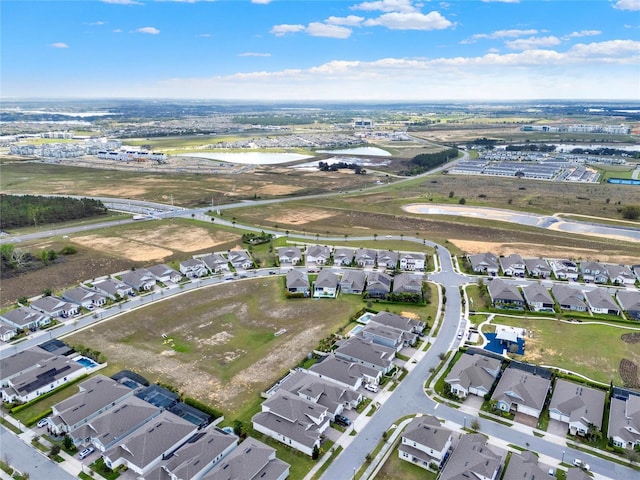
{"points": [[301, 217]]}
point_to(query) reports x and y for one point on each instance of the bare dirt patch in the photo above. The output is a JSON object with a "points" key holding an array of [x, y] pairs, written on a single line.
{"points": [[180, 238], [131, 249], [631, 337], [629, 373], [301, 216], [410, 315]]}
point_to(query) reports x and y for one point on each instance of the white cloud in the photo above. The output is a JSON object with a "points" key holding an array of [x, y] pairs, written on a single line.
{"points": [[116, 30], [410, 21], [317, 29], [262, 2], [122, 2], [501, 1], [533, 42], [283, 29], [59, 45], [584, 33], [96, 23], [349, 20], [205, 35], [148, 30], [627, 5], [404, 6], [254, 54], [504, 34]]}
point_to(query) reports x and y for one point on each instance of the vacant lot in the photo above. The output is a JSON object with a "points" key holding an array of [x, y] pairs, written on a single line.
{"points": [[591, 350], [221, 346]]}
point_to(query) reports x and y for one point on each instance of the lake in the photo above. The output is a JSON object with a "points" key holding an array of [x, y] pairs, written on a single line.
{"points": [[372, 151], [250, 158]]}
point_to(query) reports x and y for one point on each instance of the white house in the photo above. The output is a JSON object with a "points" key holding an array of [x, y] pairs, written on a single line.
{"points": [[425, 441], [412, 261]]}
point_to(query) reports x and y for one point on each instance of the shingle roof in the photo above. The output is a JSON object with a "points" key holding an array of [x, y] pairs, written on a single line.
{"points": [[472, 455], [22, 361], [327, 279], [354, 279], [524, 467], [250, 460], [340, 370], [536, 293], [427, 431], [523, 388], [473, 371], [501, 290], [366, 351]]}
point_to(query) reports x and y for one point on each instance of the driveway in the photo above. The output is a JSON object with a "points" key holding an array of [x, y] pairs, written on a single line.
{"points": [[557, 428], [473, 401], [526, 419]]}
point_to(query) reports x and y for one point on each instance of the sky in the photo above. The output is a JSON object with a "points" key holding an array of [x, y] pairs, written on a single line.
{"points": [[332, 50]]}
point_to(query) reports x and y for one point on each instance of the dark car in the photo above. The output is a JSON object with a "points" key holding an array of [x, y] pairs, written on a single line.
{"points": [[342, 420]]}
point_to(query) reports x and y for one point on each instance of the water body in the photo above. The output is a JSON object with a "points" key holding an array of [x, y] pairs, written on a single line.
{"points": [[629, 234], [250, 158], [371, 151]]}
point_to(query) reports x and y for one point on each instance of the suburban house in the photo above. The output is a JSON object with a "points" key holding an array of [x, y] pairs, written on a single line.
{"points": [[344, 373], [630, 301], [95, 396], [624, 418], [407, 283], [352, 282], [140, 279], [7, 332], [383, 335], [41, 379], [425, 441], [289, 256], [378, 284], [537, 268], [197, 457], [513, 265], [484, 263], [564, 269], [412, 261], [569, 298], [406, 324], [620, 275], [505, 295], [343, 256], [365, 257], [366, 353], [251, 460], [524, 466], [538, 298], [84, 297], [297, 281], [593, 272], [292, 420], [636, 271], [317, 255], [164, 273], [112, 288], [473, 458], [387, 259], [145, 447], [473, 375], [21, 362], [326, 284], [240, 259], [522, 391], [55, 307], [25, 317], [579, 406], [216, 263], [193, 268], [600, 301], [575, 473]]}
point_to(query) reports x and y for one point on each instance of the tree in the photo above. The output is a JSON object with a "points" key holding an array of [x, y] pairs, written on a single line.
{"points": [[451, 194], [375, 236], [475, 425], [47, 292], [55, 450], [630, 212], [316, 452], [68, 443], [462, 201]]}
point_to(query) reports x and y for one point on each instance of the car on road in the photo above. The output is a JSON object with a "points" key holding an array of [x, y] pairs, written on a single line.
{"points": [[342, 420], [371, 387], [580, 464], [86, 452], [272, 272], [43, 422]]}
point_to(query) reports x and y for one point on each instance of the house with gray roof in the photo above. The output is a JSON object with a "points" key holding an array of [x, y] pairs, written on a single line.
{"points": [[425, 441], [412, 261], [326, 284], [352, 281], [365, 257], [164, 273], [484, 263], [55, 306], [522, 391], [251, 460], [22, 362], [197, 457], [620, 275], [292, 420], [406, 324], [343, 256], [383, 335], [366, 353], [297, 281], [577, 405], [240, 259], [593, 272], [216, 263], [569, 298], [624, 419], [575, 473], [538, 298], [505, 295], [473, 375], [317, 255], [600, 301], [95, 396], [7, 332], [144, 448], [193, 268], [537, 268], [524, 466], [564, 269], [630, 301], [85, 297], [473, 458], [25, 318], [387, 259], [112, 288], [344, 373], [512, 265], [140, 279], [289, 256], [407, 283], [378, 284]]}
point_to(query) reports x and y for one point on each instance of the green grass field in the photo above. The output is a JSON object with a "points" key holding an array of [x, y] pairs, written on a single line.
{"points": [[394, 469]]}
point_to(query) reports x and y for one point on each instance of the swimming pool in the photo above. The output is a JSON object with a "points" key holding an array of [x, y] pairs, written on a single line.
{"points": [[364, 318], [355, 330], [86, 362]]}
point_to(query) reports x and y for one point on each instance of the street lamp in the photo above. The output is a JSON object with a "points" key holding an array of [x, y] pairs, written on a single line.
{"points": [[562, 461], [465, 422]]}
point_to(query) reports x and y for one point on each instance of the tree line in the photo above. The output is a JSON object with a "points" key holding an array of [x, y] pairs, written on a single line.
{"points": [[334, 167], [427, 161], [25, 210]]}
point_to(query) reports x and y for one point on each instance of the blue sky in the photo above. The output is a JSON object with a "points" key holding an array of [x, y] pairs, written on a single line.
{"points": [[381, 50]]}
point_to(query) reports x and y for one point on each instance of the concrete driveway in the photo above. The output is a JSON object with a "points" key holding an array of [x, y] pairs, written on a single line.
{"points": [[557, 428]]}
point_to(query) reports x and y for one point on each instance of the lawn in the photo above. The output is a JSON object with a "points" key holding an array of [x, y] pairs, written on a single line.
{"points": [[591, 350], [394, 468]]}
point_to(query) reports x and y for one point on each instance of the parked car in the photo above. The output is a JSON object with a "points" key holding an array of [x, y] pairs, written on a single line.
{"points": [[342, 420], [43, 422], [272, 272], [580, 464], [371, 387], [86, 452]]}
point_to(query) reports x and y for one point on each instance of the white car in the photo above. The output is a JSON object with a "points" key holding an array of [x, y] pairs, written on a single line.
{"points": [[86, 452], [43, 422], [580, 464], [371, 387]]}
